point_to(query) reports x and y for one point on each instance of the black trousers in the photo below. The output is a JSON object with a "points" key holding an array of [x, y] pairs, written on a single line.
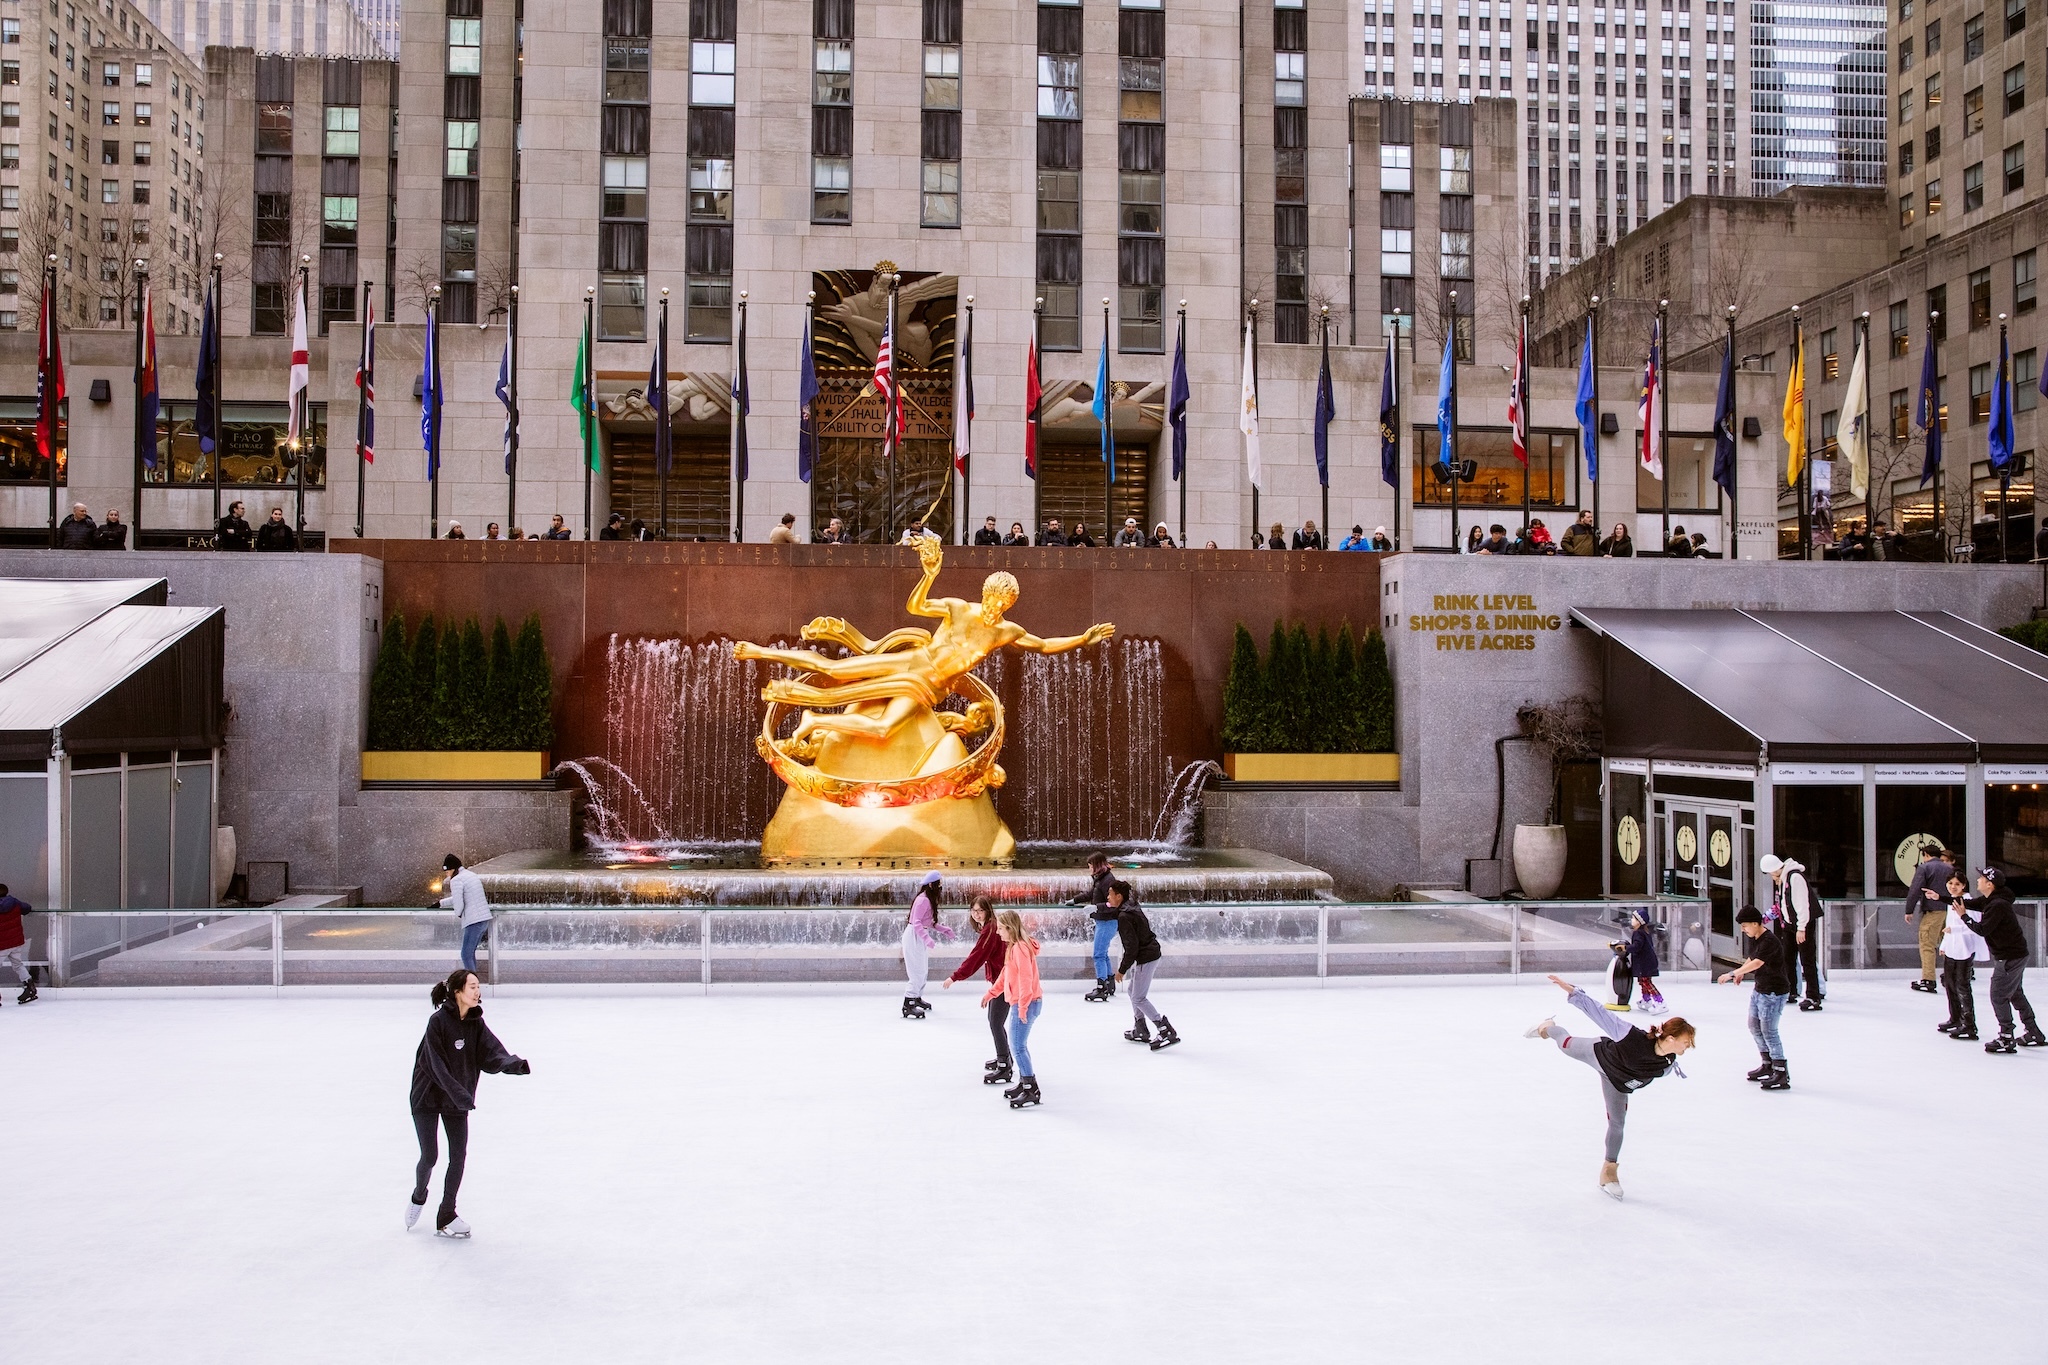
{"points": [[2007, 992], [457, 1125], [1957, 976], [998, 1021], [1809, 957]]}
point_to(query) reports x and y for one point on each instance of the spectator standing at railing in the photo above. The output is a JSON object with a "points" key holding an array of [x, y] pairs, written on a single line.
{"points": [[113, 535], [14, 945], [988, 534], [77, 531], [275, 536], [1992, 915], [232, 531], [466, 897], [1930, 876]]}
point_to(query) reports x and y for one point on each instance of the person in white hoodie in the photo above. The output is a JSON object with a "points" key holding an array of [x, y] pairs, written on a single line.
{"points": [[1960, 949], [1795, 919], [466, 897]]}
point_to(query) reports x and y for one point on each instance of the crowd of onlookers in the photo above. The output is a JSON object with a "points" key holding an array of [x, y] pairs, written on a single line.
{"points": [[1582, 539], [80, 532]]}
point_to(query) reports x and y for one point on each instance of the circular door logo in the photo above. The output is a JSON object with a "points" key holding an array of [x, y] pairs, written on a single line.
{"points": [[1628, 840], [1688, 844], [1718, 847], [1906, 856]]}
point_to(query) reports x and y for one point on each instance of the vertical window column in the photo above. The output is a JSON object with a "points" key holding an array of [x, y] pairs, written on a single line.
{"points": [[1141, 174], [1059, 172], [341, 97], [1290, 186], [939, 143], [622, 203], [707, 244], [462, 103], [270, 259], [832, 111], [1397, 213]]}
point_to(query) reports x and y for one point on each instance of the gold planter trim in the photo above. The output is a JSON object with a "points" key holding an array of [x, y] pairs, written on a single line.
{"points": [[399, 765], [1312, 767]]}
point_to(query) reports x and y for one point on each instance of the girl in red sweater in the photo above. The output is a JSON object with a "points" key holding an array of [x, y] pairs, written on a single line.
{"points": [[987, 958]]}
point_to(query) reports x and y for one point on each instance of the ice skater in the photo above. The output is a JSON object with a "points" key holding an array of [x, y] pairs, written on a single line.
{"points": [[1960, 949], [1642, 962], [1628, 1059], [918, 941], [455, 1048], [1991, 914], [1141, 960], [1018, 985], [987, 957], [1766, 963], [1931, 873], [466, 897], [1791, 919], [1104, 918], [14, 943]]}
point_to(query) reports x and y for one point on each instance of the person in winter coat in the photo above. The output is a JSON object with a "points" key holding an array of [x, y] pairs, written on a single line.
{"points": [[1766, 963], [987, 957], [1619, 544], [1308, 537], [1628, 1059], [920, 933], [1018, 985], [77, 531], [1991, 914], [14, 945], [988, 534], [232, 532], [1131, 537], [1097, 895], [1793, 918], [1580, 538], [466, 897], [275, 536], [1960, 949], [1642, 962], [455, 1048], [1929, 876], [1016, 536], [113, 533], [1141, 960], [1162, 539]]}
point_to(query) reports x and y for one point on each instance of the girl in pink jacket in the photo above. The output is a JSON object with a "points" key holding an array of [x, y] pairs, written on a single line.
{"points": [[1019, 985]]}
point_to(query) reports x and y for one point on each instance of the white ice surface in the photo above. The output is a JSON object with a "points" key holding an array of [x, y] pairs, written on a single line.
{"points": [[1380, 1173]]}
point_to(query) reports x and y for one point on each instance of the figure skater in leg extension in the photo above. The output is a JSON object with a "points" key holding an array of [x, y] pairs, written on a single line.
{"points": [[1628, 1059]]}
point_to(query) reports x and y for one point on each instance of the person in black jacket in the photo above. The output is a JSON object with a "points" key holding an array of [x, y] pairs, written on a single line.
{"points": [[1991, 914], [1628, 1059], [1766, 963], [988, 534], [455, 1048], [231, 532], [275, 535], [1097, 895], [1141, 960], [77, 531]]}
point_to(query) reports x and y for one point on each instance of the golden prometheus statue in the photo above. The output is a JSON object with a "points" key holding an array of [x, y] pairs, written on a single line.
{"points": [[877, 772]]}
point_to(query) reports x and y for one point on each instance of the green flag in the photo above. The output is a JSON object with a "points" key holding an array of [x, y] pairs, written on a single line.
{"points": [[581, 399]]}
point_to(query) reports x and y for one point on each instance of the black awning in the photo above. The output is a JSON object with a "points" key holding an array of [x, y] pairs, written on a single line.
{"points": [[1739, 687]]}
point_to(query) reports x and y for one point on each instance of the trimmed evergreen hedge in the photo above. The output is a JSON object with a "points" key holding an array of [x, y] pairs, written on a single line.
{"points": [[1308, 697], [2032, 634], [447, 690]]}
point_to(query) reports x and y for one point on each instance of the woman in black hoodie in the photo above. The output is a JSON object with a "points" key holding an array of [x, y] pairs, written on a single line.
{"points": [[1993, 918], [455, 1048], [1141, 960], [1628, 1059]]}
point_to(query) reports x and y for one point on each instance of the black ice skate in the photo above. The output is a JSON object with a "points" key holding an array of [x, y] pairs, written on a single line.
{"points": [[998, 1073], [1139, 1032], [996, 1065], [1027, 1093], [1014, 1091], [1105, 987], [1779, 1079], [1966, 1034], [2033, 1037], [1167, 1037], [913, 1008], [2003, 1043], [28, 993], [1808, 1006], [1761, 1073]]}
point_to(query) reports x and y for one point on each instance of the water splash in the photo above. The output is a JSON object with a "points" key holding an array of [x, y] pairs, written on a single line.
{"points": [[1175, 826]]}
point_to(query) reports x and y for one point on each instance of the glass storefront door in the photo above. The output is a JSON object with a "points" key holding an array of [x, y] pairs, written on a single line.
{"points": [[1706, 846]]}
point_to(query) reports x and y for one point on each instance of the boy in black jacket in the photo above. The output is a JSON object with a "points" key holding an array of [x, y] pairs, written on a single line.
{"points": [[1141, 959], [1990, 913], [1765, 961]]}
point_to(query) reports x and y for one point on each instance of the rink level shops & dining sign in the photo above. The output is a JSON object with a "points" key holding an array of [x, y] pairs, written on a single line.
{"points": [[1484, 621]]}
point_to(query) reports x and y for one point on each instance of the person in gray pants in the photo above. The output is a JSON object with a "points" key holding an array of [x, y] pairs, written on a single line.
{"points": [[1627, 1058], [1141, 959]]}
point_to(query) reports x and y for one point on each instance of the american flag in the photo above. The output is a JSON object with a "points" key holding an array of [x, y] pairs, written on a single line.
{"points": [[1518, 396], [1650, 408], [884, 383]]}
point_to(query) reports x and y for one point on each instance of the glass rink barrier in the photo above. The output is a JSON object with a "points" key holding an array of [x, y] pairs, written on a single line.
{"points": [[707, 945], [1878, 936]]}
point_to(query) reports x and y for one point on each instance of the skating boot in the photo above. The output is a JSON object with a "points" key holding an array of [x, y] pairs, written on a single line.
{"points": [[1167, 1036], [1808, 1006], [997, 1065], [1139, 1032], [1966, 1034], [456, 1228], [1541, 1030], [1779, 1079], [1014, 1091], [2002, 1043], [911, 1008], [998, 1073], [2033, 1037], [1761, 1073], [1026, 1093], [28, 993], [923, 1003], [1950, 1027], [1927, 986], [1105, 988]]}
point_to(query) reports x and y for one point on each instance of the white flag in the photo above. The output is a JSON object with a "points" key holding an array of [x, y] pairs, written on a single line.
{"points": [[1248, 417], [302, 369], [1853, 429]]}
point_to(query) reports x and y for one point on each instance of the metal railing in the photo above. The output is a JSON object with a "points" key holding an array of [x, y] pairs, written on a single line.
{"points": [[1866, 935]]}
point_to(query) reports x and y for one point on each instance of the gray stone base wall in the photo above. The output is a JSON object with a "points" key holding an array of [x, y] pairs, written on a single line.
{"points": [[392, 841], [1366, 839]]}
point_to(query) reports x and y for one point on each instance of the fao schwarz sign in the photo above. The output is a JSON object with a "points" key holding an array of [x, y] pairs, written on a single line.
{"points": [[1484, 621]]}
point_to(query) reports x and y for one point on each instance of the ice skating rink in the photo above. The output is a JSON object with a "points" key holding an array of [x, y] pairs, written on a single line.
{"points": [[1378, 1173]]}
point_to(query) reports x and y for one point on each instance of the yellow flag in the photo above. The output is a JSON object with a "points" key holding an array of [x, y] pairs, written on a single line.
{"points": [[1795, 415]]}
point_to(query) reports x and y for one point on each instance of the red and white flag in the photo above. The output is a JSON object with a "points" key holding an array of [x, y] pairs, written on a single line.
{"points": [[1650, 407], [1518, 396], [302, 366], [884, 383]]}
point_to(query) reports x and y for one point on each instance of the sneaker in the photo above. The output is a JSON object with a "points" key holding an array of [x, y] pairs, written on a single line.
{"points": [[456, 1228], [1538, 1030], [412, 1212]]}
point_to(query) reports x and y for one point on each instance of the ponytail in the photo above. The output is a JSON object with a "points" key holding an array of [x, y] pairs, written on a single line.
{"points": [[1674, 1027], [444, 991]]}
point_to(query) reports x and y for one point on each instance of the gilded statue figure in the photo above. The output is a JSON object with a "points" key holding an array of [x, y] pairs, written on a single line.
{"points": [[876, 770]]}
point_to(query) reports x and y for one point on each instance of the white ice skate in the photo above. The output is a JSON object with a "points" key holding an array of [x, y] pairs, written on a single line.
{"points": [[1655, 1007], [412, 1212], [1612, 1189], [1541, 1030], [456, 1228]]}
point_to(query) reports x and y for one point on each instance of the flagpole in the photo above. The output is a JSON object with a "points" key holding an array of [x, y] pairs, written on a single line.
{"points": [[732, 434], [1181, 349], [1450, 457], [661, 378], [1868, 523], [1735, 436], [1933, 424], [1108, 431], [428, 395], [1258, 535], [305, 436], [1324, 329], [364, 397], [963, 514], [46, 385], [1036, 435], [587, 428], [1593, 433], [212, 397], [512, 415], [1522, 402], [2000, 381], [1799, 490], [1401, 489], [141, 299], [890, 438]]}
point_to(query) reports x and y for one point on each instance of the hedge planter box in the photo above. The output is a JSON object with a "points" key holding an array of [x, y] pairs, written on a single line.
{"points": [[399, 765], [1312, 767]]}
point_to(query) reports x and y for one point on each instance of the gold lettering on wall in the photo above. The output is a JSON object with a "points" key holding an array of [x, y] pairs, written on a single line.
{"points": [[1482, 622]]}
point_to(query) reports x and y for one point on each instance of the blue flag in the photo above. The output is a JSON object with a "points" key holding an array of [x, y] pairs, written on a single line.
{"points": [[806, 418], [1177, 401], [1326, 412], [1390, 418], [504, 391], [1927, 412], [2000, 441], [1100, 407], [1724, 424], [206, 421], [1446, 385], [431, 396], [1589, 420]]}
